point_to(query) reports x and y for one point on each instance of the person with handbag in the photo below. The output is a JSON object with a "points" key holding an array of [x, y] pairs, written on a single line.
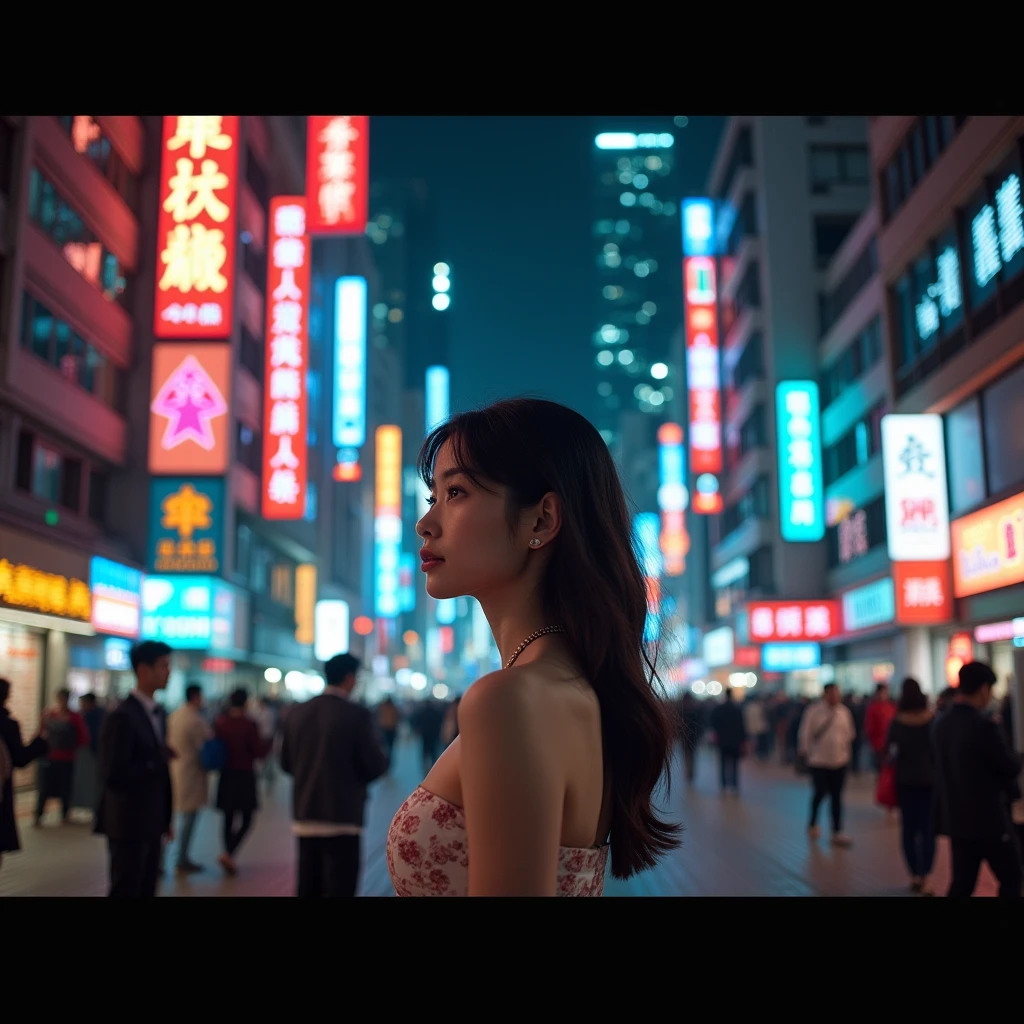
{"points": [[827, 732], [187, 733]]}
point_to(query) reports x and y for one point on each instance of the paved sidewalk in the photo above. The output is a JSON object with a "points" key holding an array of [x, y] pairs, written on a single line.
{"points": [[754, 845]]}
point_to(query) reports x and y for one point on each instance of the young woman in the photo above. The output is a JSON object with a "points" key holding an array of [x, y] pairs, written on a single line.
{"points": [[909, 744], [558, 753]]}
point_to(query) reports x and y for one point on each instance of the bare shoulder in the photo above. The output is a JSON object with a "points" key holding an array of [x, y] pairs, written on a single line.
{"points": [[508, 694]]}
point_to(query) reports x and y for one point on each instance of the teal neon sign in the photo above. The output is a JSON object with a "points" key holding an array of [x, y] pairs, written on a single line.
{"points": [[801, 488]]}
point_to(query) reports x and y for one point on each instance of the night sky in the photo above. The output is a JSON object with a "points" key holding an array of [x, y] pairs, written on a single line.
{"points": [[512, 197]]}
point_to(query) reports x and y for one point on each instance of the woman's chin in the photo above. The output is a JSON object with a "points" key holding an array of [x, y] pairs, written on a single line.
{"points": [[438, 591]]}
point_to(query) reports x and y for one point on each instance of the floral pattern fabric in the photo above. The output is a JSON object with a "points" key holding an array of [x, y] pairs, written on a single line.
{"points": [[428, 854]]}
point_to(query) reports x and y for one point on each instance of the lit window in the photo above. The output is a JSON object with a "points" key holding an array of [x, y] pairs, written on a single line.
{"points": [[627, 199], [625, 356], [659, 371], [605, 358], [649, 308]]}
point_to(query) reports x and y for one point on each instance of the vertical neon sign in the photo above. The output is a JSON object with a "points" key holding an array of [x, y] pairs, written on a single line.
{"points": [[350, 362], [702, 354], [646, 528], [387, 525], [801, 490], [673, 498], [437, 396]]}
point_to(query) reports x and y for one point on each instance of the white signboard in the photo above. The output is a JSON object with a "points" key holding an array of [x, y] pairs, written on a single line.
{"points": [[719, 647], [916, 506]]}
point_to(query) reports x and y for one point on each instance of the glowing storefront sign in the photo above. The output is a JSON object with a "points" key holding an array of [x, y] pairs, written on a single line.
{"points": [[702, 358], [793, 620], [196, 229], [997, 235], [995, 632], [350, 362], [23, 586], [286, 361], [305, 603], [186, 524], [116, 598], [924, 593], [719, 647], [189, 612], [801, 491], [388, 522], [988, 548], [790, 657], [188, 422], [337, 173], [646, 529], [673, 498], [874, 604], [437, 396], [916, 506], [331, 629]]}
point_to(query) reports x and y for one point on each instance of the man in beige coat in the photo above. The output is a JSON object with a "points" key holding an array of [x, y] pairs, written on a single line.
{"points": [[187, 732]]}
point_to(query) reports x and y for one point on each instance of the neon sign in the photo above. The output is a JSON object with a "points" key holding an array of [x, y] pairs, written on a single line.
{"points": [[285, 401], [801, 491], [116, 597], [437, 396], [350, 362], [997, 244], [337, 173], [673, 498], [26, 587], [388, 522], [646, 527]]}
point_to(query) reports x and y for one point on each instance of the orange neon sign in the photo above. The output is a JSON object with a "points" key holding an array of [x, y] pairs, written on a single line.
{"points": [[389, 470], [988, 548]]}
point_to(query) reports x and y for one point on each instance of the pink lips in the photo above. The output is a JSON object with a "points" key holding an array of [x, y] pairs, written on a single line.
{"points": [[428, 560]]}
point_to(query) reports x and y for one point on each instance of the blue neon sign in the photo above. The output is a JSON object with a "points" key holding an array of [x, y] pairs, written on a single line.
{"points": [[406, 582], [189, 612], [387, 556], [349, 420], [698, 227], [790, 657], [446, 609], [646, 533], [801, 489], [437, 396], [997, 235]]}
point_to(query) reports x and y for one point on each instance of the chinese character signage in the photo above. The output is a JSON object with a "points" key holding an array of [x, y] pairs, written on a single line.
{"points": [[188, 422], [388, 522], [196, 227], [853, 536], [772, 621], [801, 490], [285, 401], [924, 593], [874, 604], [673, 498], [23, 586], [997, 234], [790, 657], [698, 222], [186, 525], [337, 174], [349, 420], [916, 508], [116, 598], [941, 298], [988, 548]]}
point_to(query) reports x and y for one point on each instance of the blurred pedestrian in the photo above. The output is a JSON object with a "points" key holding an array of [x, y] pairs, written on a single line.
{"points": [[825, 742], [945, 700], [266, 721], [729, 734], [428, 720], [330, 749], [135, 779], [187, 734], [450, 725], [909, 748], [236, 792], [881, 711], [67, 734], [855, 702], [13, 754], [691, 730], [755, 722], [387, 722], [977, 780], [86, 788]]}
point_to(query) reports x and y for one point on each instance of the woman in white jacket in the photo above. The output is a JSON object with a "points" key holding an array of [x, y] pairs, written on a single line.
{"points": [[825, 740], [187, 732]]}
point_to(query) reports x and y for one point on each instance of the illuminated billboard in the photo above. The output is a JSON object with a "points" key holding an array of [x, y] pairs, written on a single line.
{"points": [[631, 140], [189, 612], [116, 598], [196, 227], [188, 421], [916, 505], [646, 529], [331, 628], [988, 548], [437, 396], [186, 524], [349, 417], [337, 173], [388, 522], [801, 489], [286, 362], [673, 498], [924, 593], [774, 621], [702, 356]]}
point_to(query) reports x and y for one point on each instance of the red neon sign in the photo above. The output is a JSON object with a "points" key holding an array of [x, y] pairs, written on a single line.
{"points": [[286, 361], [196, 228], [924, 592], [781, 621], [338, 174], [702, 355]]}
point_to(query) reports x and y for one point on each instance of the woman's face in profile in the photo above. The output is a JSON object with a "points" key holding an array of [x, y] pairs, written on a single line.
{"points": [[466, 543]]}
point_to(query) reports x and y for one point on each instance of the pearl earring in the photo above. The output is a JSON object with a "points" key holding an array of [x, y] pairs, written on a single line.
{"points": [[535, 543]]}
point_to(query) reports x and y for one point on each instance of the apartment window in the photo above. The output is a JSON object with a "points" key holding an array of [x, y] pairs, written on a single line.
{"points": [[965, 456], [78, 243], [55, 341], [1003, 411], [838, 165], [745, 224], [257, 179], [927, 138], [860, 356], [97, 495], [856, 278], [856, 447], [829, 234], [88, 139], [249, 447], [753, 504], [47, 474]]}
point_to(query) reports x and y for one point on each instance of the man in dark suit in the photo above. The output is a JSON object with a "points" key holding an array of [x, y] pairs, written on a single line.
{"points": [[331, 751], [976, 777], [135, 779]]}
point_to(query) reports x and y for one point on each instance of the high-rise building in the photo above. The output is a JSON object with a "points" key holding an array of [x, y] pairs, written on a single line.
{"points": [[635, 244], [787, 192]]}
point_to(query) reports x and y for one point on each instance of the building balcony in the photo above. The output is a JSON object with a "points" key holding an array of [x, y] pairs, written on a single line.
{"points": [[748, 323], [748, 251], [857, 399], [740, 404], [756, 462], [745, 540]]}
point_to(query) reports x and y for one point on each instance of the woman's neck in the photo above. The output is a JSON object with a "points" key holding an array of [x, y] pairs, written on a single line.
{"points": [[512, 621]]}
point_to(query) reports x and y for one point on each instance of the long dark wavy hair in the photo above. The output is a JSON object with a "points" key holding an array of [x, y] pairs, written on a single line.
{"points": [[594, 588]]}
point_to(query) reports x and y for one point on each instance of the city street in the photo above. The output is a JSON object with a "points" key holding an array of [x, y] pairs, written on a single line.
{"points": [[752, 846]]}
